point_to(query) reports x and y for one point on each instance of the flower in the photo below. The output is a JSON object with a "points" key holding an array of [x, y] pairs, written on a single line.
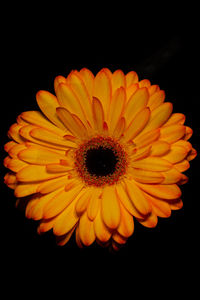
{"points": [[105, 151]]}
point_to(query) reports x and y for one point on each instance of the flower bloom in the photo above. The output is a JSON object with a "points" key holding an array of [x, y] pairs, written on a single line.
{"points": [[104, 151]]}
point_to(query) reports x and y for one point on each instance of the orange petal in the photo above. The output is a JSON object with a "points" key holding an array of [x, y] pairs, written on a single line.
{"points": [[145, 176], [86, 230], [192, 154], [102, 232], [110, 207], [150, 222], [94, 204], [16, 165], [68, 99], [83, 199], [8, 146], [136, 103], [119, 129], [177, 204], [176, 154], [13, 133], [172, 133], [23, 190], [62, 240], [137, 197], [152, 164], [60, 201], [140, 153], [161, 208], [103, 90], [188, 133], [126, 226], [57, 168], [14, 151], [48, 104], [176, 118], [52, 185], [131, 78], [171, 176], [137, 124], [118, 80], [88, 79], [116, 108], [156, 99], [39, 156], [159, 148], [147, 138], [59, 79], [144, 83], [72, 122], [182, 166], [98, 114], [159, 116], [35, 173], [165, 191]]}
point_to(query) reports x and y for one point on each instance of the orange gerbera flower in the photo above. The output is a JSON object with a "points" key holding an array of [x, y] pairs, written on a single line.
{"points": [[105, 151]]}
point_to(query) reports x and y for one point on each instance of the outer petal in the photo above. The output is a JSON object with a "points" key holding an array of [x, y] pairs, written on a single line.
{"points": [[86, 230]]}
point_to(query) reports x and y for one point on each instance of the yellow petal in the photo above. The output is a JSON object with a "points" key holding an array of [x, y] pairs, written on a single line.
{"points": [[176, 154], [165, 191], [35, 173], [60, 201], [156, 99], [58, 168], [72, 122], [62, 240], [13, 133], [38, 119], [147, 138], [159, 116], [86, 230], [45, 225], [23, 190], [126, 201], [66, 220], [14, 151], [98, 114], [83, 199], [77, 84], [137, 124], [141, 153], [136, 103], [16, 165], [48, 104], [110, 207], [52, 184], [47, 137], [131, 78], [118, 80], [145, 176], [119, 129], [94, 204], [126, 226], [116, 108], [171, 176], [152, 164], [88, 79], [68, 99], [102, 232], [137, 197], [161, 208], [103, 90], [59, 79], [39, 156], [150, 222], [172, 133], [176, 118], [159, 148]]}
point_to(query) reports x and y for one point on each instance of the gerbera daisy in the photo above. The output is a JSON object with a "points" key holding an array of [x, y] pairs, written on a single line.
{"points": [[104, 151]]}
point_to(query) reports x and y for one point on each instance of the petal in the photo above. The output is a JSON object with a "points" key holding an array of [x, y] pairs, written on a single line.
{"points": [[83, 200], [119, 129], [39, 156], [103, 90], [9, 145], [126, 226], [14, 151], [86, 230], [147, 138], [192, 154], [150, 222], [188, 133], [48, 137], [16, 165], [72, 122], [159, 116], [144, 83], [145, 176], [94, 204], [172, 133], [156, 99], [161, 208], [176, 154], [48, 104], [171, 176], [35, 173], [52, 185], [58, 168], [165, 191], [136, 103], [141, 153], [131, 78], [137, 124], [60, 201], [152, 164], [118, 80], [13, 133], [62, 240], [68, 99], [98, 114], [38, 119], [126, 201], [59, 79], [110, 207], [66, 220], [88, 79], [23, 190], [77, 84], [176, 118], [102, 232], [182, 166], [159, 148], [137, 197], [116, 108]]}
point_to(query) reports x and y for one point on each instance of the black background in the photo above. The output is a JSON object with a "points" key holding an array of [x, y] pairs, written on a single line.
{"points": [[36, 49]]}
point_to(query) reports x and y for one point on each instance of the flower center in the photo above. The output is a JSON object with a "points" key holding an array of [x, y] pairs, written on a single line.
{"points": [[100, 161]]}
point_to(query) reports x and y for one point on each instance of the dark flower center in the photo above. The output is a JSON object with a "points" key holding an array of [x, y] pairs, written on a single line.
{"points": [[101, 161]]}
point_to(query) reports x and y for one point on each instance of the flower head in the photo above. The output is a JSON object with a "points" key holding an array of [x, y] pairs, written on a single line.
{"points": [[104, 151]]}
